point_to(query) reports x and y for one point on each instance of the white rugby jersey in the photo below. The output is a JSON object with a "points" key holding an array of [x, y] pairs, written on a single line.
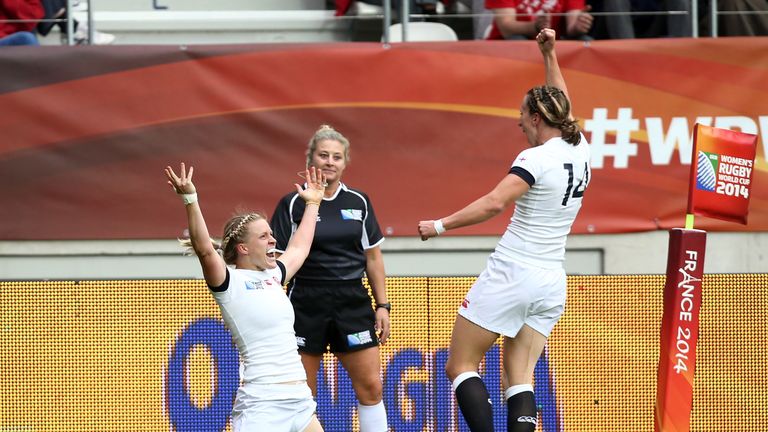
{"points": [[260, 318], [558, 174]]}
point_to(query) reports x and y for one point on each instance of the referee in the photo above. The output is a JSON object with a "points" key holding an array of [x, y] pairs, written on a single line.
{"points": [[332, 307]]}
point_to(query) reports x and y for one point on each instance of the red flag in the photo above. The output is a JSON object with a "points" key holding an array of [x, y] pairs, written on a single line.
{"points": [[722, 166]]}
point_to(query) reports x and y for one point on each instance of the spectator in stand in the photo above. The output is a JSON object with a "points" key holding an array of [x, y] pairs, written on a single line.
{"points": [[19, 33], [57, 9], [524, 19], [626, 26]]}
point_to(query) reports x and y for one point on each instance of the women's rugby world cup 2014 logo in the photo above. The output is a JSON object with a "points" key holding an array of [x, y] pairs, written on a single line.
{"points": [[706, 167]]}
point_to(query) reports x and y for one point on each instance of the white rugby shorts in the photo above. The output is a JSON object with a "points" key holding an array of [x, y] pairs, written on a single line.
{"points": [[273, 407], [508, 295]]}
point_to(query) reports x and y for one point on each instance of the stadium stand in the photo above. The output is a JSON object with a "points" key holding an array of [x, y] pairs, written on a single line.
{"points": [[222, 22], [274, 21]]}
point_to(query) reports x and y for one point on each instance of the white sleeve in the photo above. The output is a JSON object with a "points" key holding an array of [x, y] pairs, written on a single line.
{"points": [[528, 165]]}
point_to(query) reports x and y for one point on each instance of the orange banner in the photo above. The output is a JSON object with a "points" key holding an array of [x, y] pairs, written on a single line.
{"points": [[84, 142]]}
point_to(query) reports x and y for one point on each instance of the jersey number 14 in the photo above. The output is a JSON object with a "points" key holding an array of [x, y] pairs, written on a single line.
{"points": [[578, 192]]}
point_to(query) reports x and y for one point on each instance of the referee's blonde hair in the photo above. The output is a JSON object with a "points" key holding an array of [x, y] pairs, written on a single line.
{"points": [[327, 132], [555, 109]]}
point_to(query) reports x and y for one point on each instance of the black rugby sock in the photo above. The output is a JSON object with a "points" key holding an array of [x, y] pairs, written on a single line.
{"points": [[521, 412], [475, 403]]}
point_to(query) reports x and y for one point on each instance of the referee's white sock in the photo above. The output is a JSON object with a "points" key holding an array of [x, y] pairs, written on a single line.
{"points": [[373, 418]]}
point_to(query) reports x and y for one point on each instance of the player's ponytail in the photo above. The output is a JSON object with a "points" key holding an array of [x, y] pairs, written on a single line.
{"points": [[555, 109], [571, 131]]}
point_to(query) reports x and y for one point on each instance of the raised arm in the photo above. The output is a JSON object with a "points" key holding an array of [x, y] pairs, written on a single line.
{"points": [[298, 247], [213, 265], [509, 189], [554, 78]]}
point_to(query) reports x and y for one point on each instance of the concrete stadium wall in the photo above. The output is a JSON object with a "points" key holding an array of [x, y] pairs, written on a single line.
{"points": [[640, 253]]}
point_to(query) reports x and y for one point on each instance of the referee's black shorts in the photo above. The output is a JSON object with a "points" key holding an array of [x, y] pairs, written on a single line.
{"points": [[335, 313]]}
